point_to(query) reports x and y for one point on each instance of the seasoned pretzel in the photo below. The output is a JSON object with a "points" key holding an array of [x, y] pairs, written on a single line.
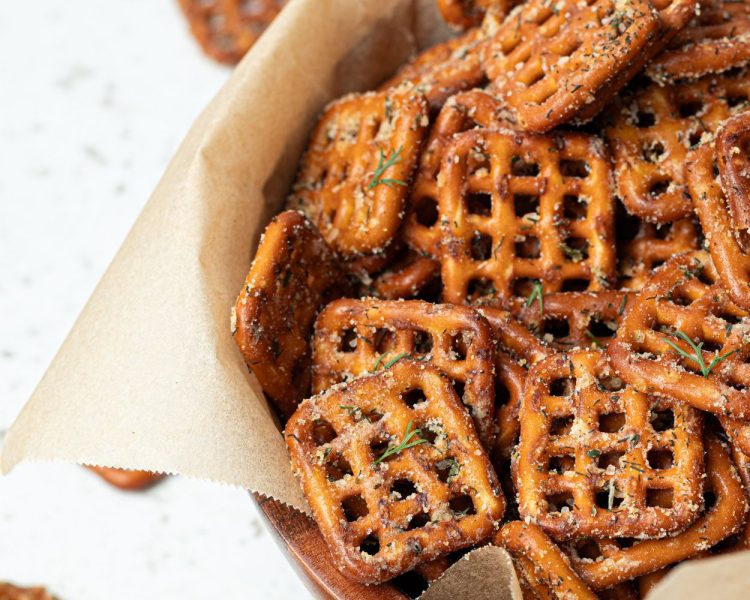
{"points": [[444, 70], [567, 320], [294, 273], [682, 296], [652, 246], [730, 248], [355, 337], [469, 13], [355, 174], [551, 61], [734, 168], [127, 479], [545, 567], [517, 208], [383, 508], [716, 40], [227, 29], [462, 112], [719, 522], [651, 132], [591, 462], [12, 592], [406, 278]]}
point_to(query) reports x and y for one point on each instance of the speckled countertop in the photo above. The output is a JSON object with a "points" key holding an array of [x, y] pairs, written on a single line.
{"points": [[95, 97]]}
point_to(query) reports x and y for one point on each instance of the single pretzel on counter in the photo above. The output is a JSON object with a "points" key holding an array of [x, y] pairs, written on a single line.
{"points": [[547, 570], [462, 112], [556, 61], [721, 520], [595, 460], [567, 320], [444, 69], [227, 29], [651, 132], [729, 247], [393, 471], [126, 479], [734, 167], [356, 337], [293, 274], [521, 212], [653, 245], [683, 337], [716, 40], [355, 175]]}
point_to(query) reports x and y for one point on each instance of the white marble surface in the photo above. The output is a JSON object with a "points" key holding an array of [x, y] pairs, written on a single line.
{"points": [[94, 98]]}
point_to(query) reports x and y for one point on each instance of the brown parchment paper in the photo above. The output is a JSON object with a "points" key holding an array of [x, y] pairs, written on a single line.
{"points": [[149, 377]]}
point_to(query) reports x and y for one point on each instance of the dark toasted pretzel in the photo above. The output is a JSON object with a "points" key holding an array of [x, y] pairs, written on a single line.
{"points": [[355, 337], [546, 569], [650, 135], [569, 320], [443, 70], [734, 167], [127, 479], [716, 40], [354, 176], [652, 246], [382, 517], [730, 248], [551, 61], [681, 296], [519, 207], [227, 29], [292, 275], [590, 461], [468, 110], [723, 519]]}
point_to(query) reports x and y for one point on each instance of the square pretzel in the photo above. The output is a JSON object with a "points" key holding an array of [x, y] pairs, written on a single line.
{"points": [[519, 210], [356, 337], [651, 132], [384, 500], [293, 274], [594, 458], [551, 60], [355, 175]]}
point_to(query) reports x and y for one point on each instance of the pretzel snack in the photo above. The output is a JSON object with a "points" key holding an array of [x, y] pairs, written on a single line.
{"points": [[356, 337], [384, 500], [552, 61], [227, 29], [406, 278], [127, 479], [734, 167], [12, 592], [720, 521], [355, 174], [550, 568], [294, 272], [516, 208]]}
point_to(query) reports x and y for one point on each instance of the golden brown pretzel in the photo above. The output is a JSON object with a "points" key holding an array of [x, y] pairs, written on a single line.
{"points": [[567, 320], [681, 302], [469, 13], [734, 167], [294, 272], [720, 521], [552, 61], [651, 132], [520, 211], [384, 500], [594, 461], [716, 40], [406, 278], [127, 479], [462, 112], [356, 337], [652, 246], [227, 29], [545, 567], [444, 69], [730, 248], [355, 175], [12, 592]]}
